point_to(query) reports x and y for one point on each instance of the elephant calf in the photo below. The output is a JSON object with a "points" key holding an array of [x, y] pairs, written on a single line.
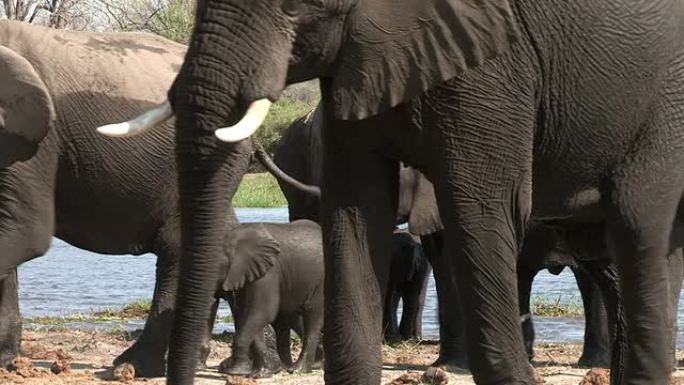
{"points": [[409, 272], [273, 274]]}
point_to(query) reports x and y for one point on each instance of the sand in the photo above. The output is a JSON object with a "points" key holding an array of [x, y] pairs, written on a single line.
{"points": [[87, 355]]}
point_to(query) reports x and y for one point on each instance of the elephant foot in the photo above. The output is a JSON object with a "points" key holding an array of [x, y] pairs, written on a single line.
{"points": [[594, 361], [6, 358], [452, 363], [236, 367], [299, 367], [146, 362]]}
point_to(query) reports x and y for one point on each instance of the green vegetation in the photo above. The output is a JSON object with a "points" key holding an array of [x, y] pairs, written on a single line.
{"points": [[259, 190], [174, 21], [549, 307], [136, 309], [285, 111]]}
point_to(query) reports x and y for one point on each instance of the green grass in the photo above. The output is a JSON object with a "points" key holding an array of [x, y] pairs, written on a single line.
{"points": [[136, 309], [550, 307], [259, 190]]}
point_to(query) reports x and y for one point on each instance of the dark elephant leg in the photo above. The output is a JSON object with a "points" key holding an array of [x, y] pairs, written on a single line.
{"points": [[148, 353], [243, 350], [452, 346], [676, 269], [257, 307], [282, 331], [205, 347], [413, 300], [313, 324], [597, 339], [644, 283], [359, 205], [10, 319], [525, 279], [389, 314], [485, 203]]}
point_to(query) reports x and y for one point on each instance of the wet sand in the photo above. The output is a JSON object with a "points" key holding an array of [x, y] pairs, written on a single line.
{"points": [[90, 353]]}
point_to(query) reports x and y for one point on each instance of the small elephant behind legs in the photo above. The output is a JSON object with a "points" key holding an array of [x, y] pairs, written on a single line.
{"points": [[409, 272], [275, 272]]}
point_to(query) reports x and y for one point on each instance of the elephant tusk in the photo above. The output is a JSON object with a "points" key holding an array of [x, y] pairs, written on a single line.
{"points": [[254, 117], [138, 125]]}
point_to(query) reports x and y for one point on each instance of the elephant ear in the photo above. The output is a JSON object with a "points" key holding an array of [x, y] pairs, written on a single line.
{"points": [[26, 109], [396, 50], [251, 253], [424, 218]]}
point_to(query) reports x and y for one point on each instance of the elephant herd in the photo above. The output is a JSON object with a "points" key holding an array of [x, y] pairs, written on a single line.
{"points": [[536, 134]]}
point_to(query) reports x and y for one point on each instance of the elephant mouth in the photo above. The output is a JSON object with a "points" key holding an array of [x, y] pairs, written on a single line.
{"points": [[253, 118]]}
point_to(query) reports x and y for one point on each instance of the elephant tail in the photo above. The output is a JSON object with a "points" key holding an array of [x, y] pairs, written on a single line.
{"points": [[268, 163]]}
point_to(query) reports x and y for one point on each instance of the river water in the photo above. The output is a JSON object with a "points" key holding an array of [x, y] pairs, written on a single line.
{"points": [[69, 280]]}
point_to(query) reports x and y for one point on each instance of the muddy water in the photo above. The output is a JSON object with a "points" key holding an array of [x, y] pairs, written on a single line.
{"points": [[69, 280]]}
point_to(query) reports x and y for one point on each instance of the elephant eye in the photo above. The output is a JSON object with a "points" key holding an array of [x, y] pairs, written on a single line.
{"points": [[292, 8]]}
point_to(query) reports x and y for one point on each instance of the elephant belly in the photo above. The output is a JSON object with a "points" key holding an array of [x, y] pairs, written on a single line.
{"points": [[552, 205]]}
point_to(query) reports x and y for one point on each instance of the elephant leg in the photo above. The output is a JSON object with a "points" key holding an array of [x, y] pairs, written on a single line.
{"points": [[390, 329], [452, 341], [676, 269], [282, 331], [257, 306], [597, 338], [485, 203], [359, 206], [10, 319], [313, 324], [638, 232], [205, 349], [414, 299], [525, 280], [147, 354], [243, 352]]}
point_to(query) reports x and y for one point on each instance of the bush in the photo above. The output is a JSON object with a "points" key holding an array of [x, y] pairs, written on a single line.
{"points": [[175, 21], [282, 114]]}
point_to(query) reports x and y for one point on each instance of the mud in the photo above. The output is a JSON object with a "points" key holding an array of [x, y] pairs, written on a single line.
{"points": [[84, 358]]}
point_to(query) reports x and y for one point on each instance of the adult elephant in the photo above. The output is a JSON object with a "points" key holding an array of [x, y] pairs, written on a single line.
{"points": [[562, 112], [58, 177], [300, 153]]}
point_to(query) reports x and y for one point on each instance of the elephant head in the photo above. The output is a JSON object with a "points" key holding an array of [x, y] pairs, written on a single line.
{"points": [[369, 56], [26, 109], [250, 252]]}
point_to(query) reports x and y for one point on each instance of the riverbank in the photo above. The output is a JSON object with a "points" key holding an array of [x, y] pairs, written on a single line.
{"points": [[89, 355]]}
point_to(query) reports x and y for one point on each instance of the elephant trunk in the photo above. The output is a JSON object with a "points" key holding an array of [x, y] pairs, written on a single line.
{"points": [[209, 176], [219, 79]]}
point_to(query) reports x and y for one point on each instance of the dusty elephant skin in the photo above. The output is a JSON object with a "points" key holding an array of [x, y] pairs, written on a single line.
{"points": [[92, 189], [562, 112], [59, 177]]}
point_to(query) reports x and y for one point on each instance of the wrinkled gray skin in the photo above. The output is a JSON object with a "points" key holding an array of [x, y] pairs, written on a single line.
{"points": [[408, 278], [276, 273], [562, 112], [59, 177], [299, 153]]}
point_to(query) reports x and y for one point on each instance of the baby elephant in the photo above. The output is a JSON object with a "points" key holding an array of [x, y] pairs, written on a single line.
{"points": [[274, 272]]}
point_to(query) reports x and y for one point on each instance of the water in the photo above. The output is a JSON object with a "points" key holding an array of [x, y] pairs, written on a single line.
{"points": [[69, 280]]}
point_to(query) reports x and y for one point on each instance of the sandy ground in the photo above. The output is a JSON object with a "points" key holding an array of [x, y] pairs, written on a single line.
{"points": [[90, 354]]}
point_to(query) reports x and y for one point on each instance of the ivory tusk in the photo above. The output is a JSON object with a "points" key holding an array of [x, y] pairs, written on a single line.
{"points": [[140, 124], [254, 117]]}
